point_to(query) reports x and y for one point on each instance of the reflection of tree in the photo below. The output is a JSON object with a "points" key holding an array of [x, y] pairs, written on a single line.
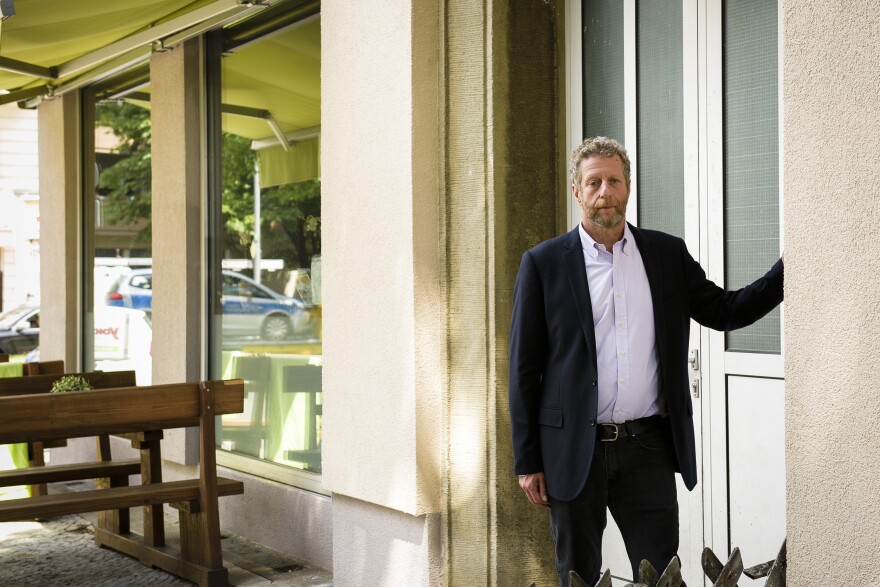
{"points": [[125, 185], [291, 214], [238, 196], [292, 222]]}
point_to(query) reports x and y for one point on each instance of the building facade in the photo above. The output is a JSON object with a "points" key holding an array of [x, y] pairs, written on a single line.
{"points": [[436, 134]]}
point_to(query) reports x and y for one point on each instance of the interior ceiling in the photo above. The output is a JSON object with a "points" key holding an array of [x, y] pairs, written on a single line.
{"points": [[279, 74]]}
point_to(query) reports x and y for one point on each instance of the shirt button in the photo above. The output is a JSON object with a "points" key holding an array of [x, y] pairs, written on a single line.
{"points": [[622, 380], [622, 353]]}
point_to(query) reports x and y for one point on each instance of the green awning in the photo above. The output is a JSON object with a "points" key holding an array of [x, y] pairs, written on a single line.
{"points": [[302, 161], [273, 84], [50, 33]]}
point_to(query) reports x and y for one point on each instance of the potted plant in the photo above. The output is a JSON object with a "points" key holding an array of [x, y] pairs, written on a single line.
{"points": [[70, 383]]}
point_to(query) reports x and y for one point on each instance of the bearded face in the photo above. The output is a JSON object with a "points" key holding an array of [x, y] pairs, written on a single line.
{"points": [[603, 192]]}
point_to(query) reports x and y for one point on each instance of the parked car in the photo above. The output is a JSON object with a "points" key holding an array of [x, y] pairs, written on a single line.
{"points": [[249, 308], [19, 330]]}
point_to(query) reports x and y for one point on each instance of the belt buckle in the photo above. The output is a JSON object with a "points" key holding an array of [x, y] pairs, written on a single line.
{"points": [[616, 432]]}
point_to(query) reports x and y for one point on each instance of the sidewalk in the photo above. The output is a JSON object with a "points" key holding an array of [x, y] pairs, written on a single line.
{"points": [[62, 552]]}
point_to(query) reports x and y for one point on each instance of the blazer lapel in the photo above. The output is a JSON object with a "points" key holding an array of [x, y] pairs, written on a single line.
{"points": [[573, 260], [651, 260]]}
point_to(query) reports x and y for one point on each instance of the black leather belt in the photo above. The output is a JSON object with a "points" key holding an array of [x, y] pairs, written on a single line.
{"points": [[610, 432]]}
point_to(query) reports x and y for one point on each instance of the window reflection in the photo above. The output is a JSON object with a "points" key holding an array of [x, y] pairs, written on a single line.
{"points": [[122, 249], [267, 327]]}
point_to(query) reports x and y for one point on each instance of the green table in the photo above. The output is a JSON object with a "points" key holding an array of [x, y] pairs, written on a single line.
{"points": [[13, 456], [277, 419]]}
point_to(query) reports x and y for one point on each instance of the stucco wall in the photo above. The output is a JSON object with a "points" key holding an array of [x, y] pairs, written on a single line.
{"points": [[175, 96], [373, 545], [58, 137], [382, 377], [831, 94]]}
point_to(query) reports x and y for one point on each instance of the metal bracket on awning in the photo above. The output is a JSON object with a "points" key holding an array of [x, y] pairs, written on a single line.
{"points": [[21, 67]]}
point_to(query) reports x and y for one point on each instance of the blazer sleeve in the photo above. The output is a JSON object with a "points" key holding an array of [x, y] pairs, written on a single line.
{"points": [[716, 308], [528, 350]]}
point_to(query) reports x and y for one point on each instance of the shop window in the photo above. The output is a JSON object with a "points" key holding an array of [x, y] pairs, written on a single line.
{"points": [[265, 246], [117, 225]]}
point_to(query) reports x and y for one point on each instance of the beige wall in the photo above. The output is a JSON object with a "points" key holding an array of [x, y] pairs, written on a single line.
{"points": [[58, 135], [384, 345], [176, 119], [831, 94], [383, 379]]}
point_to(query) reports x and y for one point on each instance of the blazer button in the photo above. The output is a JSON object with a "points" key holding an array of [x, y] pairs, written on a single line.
{"points": [[592, 421], [594, 382]]}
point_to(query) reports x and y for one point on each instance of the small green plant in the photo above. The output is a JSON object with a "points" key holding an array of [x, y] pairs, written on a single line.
{"points": [[70, 383]]}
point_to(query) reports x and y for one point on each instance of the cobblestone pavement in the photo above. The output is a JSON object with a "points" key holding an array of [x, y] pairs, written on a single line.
{"points": [[62, 552]]}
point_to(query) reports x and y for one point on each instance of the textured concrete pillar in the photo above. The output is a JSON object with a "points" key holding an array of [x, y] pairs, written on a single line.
{"points": [[503, 163], [175, 101], [831, 97], [59, 140]]}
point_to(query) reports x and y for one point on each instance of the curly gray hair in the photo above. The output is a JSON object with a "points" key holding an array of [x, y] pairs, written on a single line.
{"points": [[597, 146]]}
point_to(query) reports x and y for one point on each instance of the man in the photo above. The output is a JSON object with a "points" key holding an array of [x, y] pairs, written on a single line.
{"points": [[599, 393]]}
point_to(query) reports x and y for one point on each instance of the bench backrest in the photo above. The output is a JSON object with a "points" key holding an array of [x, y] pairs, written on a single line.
{"points": [[31, 384], [47, 416]]}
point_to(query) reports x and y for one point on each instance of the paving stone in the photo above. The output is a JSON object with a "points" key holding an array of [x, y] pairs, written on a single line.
{"points": [[62, 552]]}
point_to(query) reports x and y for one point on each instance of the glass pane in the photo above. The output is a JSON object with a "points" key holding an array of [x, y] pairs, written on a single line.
{"points": [[266, 321], [19, 234], [121, 241], [603, 69], [660, 116], [751, 158]]}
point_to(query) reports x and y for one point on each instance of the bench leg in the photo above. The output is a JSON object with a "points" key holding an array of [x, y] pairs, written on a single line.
{"points": [[116, 521], [37, 459], [151, 472]]}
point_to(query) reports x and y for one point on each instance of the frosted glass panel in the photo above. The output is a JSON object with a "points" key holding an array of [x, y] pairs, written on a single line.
{"points": [[751, 158], [603, 68], [660, 116]]}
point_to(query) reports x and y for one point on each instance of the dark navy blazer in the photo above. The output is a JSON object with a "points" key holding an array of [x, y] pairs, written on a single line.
{"points": [[553, 376]]}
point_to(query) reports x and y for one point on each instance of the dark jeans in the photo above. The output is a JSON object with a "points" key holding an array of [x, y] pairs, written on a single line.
{"points": [[634, 478]]}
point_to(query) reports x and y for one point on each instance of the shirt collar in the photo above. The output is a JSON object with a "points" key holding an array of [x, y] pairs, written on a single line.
{"points": [[591, 247]]}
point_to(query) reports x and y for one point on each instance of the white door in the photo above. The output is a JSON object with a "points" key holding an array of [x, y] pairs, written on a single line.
{"points": [[677, 82]]}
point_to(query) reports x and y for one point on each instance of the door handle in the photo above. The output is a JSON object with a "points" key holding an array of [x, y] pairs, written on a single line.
{"points": [[694, 359], [694, 362]]}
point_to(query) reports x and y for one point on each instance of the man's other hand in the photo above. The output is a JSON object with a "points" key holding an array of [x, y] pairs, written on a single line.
{"points": [[535, 488]]}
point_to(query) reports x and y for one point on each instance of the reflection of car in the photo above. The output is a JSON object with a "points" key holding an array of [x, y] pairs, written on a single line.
{"points": [[19, 330], [132, 290], [123, 340], [249, 308]]}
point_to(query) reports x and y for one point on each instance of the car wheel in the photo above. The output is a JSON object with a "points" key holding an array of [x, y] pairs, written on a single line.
{"points": [[276, 327]]}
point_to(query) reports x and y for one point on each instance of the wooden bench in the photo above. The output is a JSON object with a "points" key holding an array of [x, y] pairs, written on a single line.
{"points": [[39, 378], [139, 414]]}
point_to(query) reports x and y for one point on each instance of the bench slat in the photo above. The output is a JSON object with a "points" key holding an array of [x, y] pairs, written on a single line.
{"points": [[73, 472], [47, 416], [31, 384], [78, 502]]}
